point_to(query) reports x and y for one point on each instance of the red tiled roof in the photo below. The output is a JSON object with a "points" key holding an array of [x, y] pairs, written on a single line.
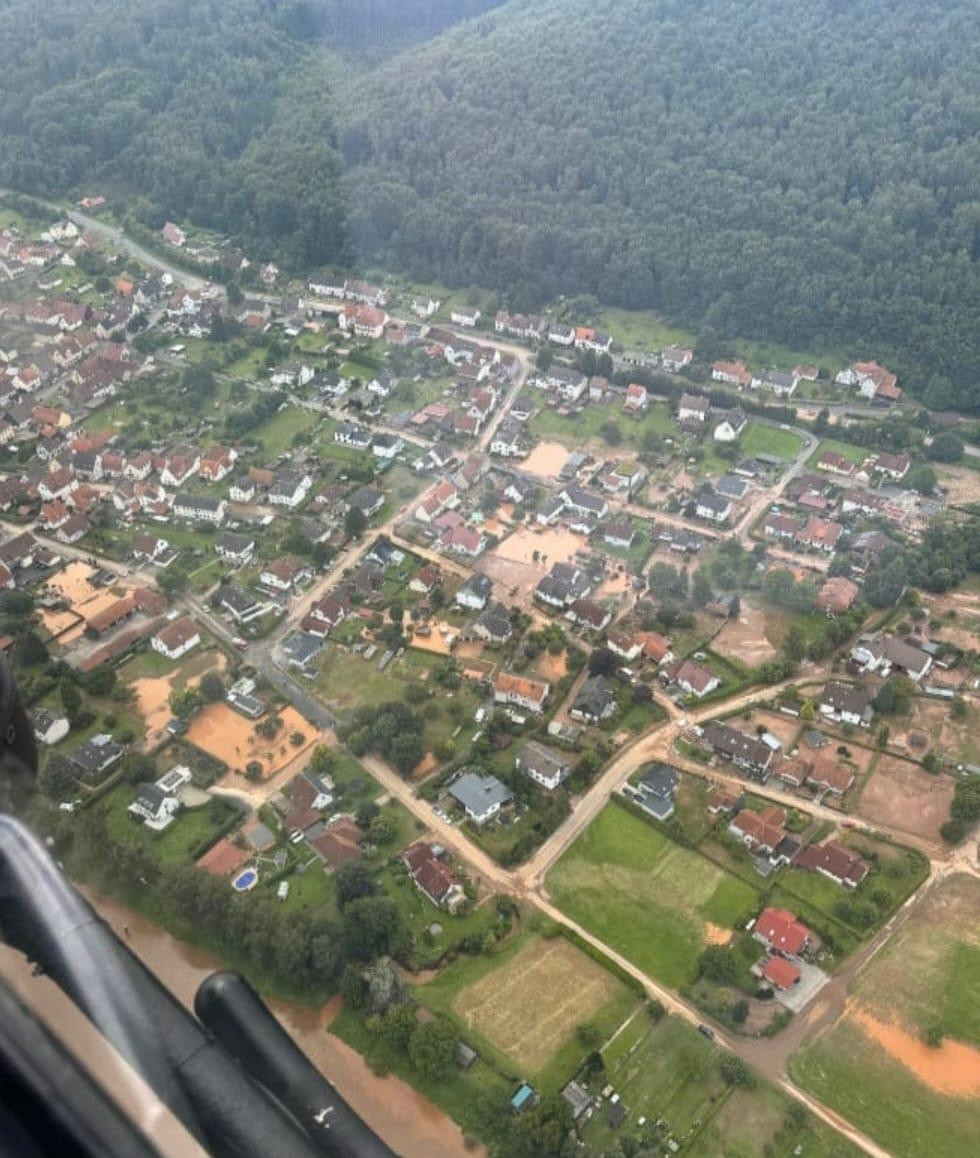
{"points": [[782, 973], [782, 931]]}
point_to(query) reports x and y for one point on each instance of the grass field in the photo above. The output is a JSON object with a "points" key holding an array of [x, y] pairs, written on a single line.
{"points": [[276, 435], [645, 896], [924, 977], [759, 439], [851, 1073], [523, 1005], [749, 1122]]}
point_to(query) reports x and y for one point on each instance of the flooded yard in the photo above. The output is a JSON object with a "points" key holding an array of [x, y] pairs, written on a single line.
{"points": [[546, 460]]}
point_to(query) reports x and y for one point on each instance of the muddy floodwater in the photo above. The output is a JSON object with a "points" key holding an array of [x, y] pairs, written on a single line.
{"points": [[546, 460], [408, 1122], [553, 545]]}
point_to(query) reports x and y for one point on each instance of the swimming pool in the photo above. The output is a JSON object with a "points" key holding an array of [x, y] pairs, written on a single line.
{"points": [[245, 880]]}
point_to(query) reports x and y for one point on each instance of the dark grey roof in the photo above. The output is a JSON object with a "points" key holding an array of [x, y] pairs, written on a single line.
{"points": [[233, 543], [236, 599], [477, 794], [150, 796], [736, 745], [300, 647], [96, 754], [845, 698], [478, 585], [496, 621], [731, 486], [541, 759], [197, 502], [659, 780], [594, 698], [715, 503], [367, 498]]}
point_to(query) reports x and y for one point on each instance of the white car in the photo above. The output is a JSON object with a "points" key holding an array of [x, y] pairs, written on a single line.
{"points": [[295, 836]]}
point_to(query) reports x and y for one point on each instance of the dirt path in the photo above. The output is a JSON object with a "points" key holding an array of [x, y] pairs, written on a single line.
{"points": [[408, 1122]]}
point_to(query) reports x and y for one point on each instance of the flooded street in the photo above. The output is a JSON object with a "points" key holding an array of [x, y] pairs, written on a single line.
{"points": [[409, 1122]]}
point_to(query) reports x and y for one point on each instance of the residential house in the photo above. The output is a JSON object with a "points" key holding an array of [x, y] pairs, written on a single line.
{"points": [[734, 373], [387, 446], [242, 490], [425, 307], [74, 528], [301, 649], [826, 775], [693, 408], [443, 497], [896, 466], [562, 586], [464, 316], [888, 653], [284, 573], [350, 434], [290, 489], [656, 787], [181, 464], [493, 625], [761, 832], [365, 321], [586, 338], [731, 425], [426, 579], [561, 335], [637, 399], [177, 638], [619, 533], [874, 382], [781, 932], [745, 752], [154, 806], [655, 647], [624, 646], [846, 704], [519, 490], [292, 374], [234, 548], [457, 536], [835, 862], [820, 534], [173, 234], [780, 973], [97, 755], [675, 358], [622, 477], [200, 508], [481, 797], [432, 876], [325, 615], [589, 614], [691, 678], [543, 765], [49, 728], [782, 383], [582, 502], [595, 701], [835, 463], [713, 507], [521, 691], [569, 384], [730, 486], [241, 606], [837, 595], [366, 499], [508, 442], [217, 462]]}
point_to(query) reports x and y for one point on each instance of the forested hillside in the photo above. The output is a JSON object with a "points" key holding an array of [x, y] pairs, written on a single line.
{"points": [[788, 169], [798, 170], [178, 102]]}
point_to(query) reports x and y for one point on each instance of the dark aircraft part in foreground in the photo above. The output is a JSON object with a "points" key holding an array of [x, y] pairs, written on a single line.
{"points": [[244, 1092], [231, 1009]]}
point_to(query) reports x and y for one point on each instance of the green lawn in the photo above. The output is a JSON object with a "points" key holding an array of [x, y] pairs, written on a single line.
{"points": [[850, 1072], [750, 1122], [645, 896], [178, 843], [276, 435], [759, 439]]}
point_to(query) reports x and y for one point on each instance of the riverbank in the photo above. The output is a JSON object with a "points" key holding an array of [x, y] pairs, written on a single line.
{"points": [[412, 1125]]}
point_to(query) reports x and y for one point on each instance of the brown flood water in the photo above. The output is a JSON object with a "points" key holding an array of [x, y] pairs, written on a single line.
{"points": [[412, 1125]]}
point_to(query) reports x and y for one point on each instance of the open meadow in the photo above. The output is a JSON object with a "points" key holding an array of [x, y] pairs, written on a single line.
{"points": [[656, 903], [904, 1062]]}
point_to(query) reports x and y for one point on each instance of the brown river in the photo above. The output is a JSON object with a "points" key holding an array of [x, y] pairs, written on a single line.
{"points": [[412, 1125]]}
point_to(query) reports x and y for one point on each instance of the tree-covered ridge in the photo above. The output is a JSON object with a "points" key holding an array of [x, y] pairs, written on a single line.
{"points": [[788, 169], [189, 105]]}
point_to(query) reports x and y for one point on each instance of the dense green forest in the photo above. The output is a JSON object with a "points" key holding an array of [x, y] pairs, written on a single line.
{"points": [[797, 170], [789, 169]]}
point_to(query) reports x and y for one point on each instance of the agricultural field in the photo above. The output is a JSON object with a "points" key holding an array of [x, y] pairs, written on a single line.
{"points": [[875, 1065], [526, 1003], [655, 902]]}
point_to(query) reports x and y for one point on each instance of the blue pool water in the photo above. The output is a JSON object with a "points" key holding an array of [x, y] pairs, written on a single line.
{"points": [[245, 881]]}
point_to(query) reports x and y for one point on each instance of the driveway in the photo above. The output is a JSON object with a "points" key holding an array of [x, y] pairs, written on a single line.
{"points": [[812, 980]]}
